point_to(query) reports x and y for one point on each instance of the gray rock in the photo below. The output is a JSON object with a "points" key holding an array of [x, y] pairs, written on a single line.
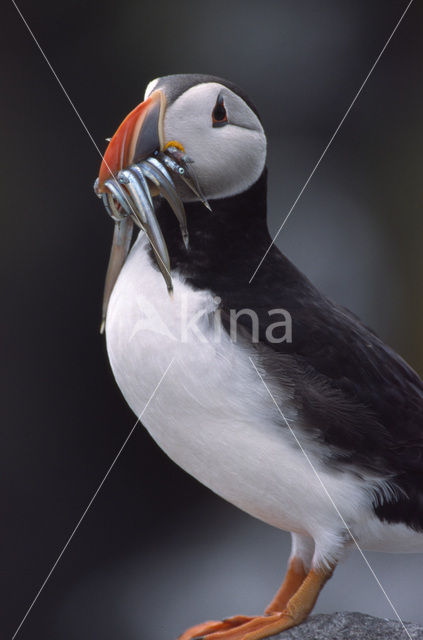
{"points": [[351, 626]]}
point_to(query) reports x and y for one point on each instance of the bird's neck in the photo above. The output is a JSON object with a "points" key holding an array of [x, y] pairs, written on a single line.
{"points": [[229, 241]]}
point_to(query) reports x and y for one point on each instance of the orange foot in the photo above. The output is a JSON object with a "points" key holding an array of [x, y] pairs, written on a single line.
{"points": [[296, 610], [254, 629], [206, 628]]}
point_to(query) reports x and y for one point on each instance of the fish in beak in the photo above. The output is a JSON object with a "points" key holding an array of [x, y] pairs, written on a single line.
{"points": [[138, 164]]}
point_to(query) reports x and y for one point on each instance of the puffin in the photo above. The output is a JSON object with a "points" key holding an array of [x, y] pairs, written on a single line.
{"points": [[276, 398]]}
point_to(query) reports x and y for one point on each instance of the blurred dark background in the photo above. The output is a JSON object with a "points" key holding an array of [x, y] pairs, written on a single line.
{"points": [[157, 551]]}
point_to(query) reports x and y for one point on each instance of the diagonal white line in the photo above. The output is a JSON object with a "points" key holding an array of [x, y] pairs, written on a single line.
{"points": [[330, 142], [68, 541], [78, 115], [59, 82], [331, 500], [164, 374]]}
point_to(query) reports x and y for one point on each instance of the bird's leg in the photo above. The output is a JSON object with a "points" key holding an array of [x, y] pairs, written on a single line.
{"points": [[302, 549], [295, 576], [297, 609]]}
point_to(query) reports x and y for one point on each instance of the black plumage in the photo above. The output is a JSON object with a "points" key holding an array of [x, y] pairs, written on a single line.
{"points": [[354, 393], [175, 85]]}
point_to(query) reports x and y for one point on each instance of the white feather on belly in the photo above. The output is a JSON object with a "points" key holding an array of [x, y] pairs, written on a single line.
{"points": [[214, 418]]}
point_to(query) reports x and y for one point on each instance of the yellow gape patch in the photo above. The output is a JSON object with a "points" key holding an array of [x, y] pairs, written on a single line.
{"points": [[174, 143]]}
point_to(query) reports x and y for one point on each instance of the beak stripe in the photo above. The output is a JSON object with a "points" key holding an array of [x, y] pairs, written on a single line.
{"points": [[138, 137]]}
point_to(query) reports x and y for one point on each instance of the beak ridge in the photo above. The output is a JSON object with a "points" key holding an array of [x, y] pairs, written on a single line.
{"points": [[138, 136]]}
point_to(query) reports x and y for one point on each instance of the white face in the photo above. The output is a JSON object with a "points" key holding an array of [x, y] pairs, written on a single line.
{"points": [[228, 159]]}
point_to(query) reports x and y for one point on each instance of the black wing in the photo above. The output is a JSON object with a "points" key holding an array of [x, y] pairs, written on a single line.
{"points": [[354, 393]]}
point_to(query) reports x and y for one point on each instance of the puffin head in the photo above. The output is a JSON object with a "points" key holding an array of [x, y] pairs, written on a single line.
{"points": [[211, 120], [194, 137]]}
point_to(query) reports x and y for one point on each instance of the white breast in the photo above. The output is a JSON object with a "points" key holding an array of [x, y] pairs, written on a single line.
{"points": [[211, 414]]}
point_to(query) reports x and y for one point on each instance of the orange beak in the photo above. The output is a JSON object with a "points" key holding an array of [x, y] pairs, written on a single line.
{"points": [[138, 137], [136, 166]]}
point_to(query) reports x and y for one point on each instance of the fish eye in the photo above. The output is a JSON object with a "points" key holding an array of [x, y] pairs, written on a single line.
{"points": [[219, 114]]}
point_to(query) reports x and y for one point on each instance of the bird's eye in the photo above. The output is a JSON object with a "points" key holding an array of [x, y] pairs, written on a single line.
{"points": [[219, 114]]}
